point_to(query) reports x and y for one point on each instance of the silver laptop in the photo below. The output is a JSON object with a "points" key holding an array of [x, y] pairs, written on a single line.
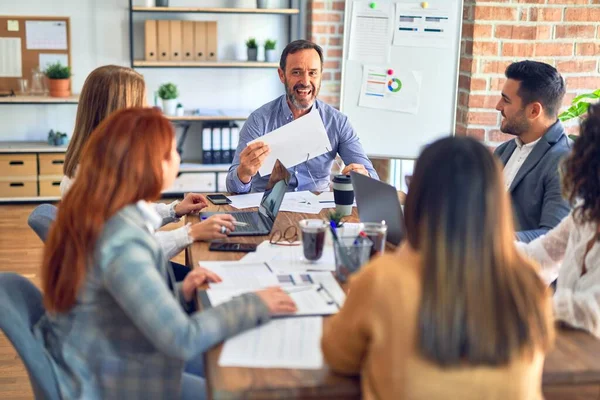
{"points": [[377, 201], [261, 222]]}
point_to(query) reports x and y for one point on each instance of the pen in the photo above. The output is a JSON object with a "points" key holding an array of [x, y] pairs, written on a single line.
{"points": [[237, 223]]}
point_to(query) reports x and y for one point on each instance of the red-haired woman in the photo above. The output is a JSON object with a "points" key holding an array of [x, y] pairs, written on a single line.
{"points": [[116, 325]]}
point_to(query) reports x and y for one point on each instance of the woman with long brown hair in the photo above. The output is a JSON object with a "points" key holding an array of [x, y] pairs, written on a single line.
{"points": [[110, 88], [572, 250], [114, 327], [456, 312]]}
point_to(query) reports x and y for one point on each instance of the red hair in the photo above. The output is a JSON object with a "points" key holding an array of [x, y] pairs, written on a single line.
{"points": [[120, 165]]}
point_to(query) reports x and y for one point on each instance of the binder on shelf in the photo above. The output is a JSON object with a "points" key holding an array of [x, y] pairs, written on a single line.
{"points": [[187, 43], [164, 40], [226, 145], [150, 40], [200, 41], [176, 40], [235, 139], [211, 41], [217, 148], [207, 157]]}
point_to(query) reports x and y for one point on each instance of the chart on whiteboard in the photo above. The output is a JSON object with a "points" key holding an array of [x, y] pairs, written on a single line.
{"points": [[389, 88]]}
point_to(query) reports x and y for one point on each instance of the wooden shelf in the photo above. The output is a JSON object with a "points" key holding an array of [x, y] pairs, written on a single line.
{"points": [[39, 100], [209, 10], [207, 118], [200, 168], [30, 147], [28, 199], [204, 64]]}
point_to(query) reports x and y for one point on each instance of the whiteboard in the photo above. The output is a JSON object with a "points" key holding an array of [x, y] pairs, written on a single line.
{"points": [[402, 134]]}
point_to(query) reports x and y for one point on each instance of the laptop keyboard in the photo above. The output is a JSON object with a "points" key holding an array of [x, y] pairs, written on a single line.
{"points": [[250, 219]]}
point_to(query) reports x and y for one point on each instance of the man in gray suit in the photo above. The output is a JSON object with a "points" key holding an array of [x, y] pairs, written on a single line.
{"points": [[531, 98]]}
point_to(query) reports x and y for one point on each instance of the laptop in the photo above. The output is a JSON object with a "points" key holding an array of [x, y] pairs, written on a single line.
{"points": [[261, 222], [377, 201]]}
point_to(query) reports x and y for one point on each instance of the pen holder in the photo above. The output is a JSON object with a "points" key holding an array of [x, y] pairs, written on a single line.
{"points": [[350, 255]]}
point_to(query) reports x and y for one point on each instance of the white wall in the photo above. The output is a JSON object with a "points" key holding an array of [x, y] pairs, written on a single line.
{"points": [[100, 36]]}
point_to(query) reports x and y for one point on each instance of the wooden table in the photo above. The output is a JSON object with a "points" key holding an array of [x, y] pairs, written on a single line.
{"points": [[572, 369]]}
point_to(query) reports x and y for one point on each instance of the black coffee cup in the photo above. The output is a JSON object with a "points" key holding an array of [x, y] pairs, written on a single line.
{"points": [[343, 194]]}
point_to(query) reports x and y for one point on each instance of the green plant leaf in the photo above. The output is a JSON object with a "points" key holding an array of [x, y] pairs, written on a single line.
{"points": [[251, 43], [57, 71], [270, 44], [168, 91], [594, 95]]}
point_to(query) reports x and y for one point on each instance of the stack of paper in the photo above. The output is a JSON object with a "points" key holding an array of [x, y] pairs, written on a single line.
{"points": [[300, 202], [290, 258], [283, 343]]}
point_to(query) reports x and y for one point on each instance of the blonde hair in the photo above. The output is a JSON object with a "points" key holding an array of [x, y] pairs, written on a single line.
{"points": [[107, 89]]}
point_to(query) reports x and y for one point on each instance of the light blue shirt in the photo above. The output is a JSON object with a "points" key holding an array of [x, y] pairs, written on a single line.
{"points": [[277, 113]]}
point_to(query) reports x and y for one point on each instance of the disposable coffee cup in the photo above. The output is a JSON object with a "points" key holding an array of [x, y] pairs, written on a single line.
{"points": [[343, 194]]}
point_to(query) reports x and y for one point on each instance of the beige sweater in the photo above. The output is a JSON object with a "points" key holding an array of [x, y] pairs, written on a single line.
{"points": [[375, 335]]}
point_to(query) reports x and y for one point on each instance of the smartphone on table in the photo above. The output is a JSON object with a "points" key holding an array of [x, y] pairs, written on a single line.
{"points": [[218, 199], [233, 247]]}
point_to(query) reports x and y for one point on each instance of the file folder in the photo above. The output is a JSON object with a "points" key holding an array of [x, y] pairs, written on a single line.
{"points": [[235, 139], [207, 157], [164, 40], [176, 40], [187, 45], [200, 41], [150, 40], [226, 145], [217, 148], [211, 41]]}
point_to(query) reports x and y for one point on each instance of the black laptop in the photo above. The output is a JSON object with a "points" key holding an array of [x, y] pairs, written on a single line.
{"points": [[377, 201], [261, 222]]}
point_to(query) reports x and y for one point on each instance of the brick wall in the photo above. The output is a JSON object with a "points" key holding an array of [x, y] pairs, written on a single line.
{"points": [[563, 33]]}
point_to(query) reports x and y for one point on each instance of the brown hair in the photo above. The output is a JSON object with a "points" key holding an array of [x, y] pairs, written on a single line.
{"points": [[581, 176], [106, 89], [482, 302], [118, 167]]}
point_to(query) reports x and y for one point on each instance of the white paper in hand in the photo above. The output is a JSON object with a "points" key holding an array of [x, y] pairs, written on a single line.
{"points": [[294, 142]]}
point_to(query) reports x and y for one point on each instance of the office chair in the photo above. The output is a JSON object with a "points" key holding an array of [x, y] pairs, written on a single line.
{"points": [[41, 218], [20, 309]]}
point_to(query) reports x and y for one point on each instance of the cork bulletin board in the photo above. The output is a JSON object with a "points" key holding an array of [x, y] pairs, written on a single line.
{"points": [[26, 42]]}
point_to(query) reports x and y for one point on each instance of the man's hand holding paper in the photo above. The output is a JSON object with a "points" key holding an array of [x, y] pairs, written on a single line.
{"points": [[293, 143]]}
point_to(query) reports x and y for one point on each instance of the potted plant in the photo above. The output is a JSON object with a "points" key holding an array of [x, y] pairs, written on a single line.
{"points": [[57, 138], [252, 49], [168, 93], [59, 77], [179, 110], [270, 54], [579, 106]]}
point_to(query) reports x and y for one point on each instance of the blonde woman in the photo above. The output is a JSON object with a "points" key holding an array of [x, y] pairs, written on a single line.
{"points": [[110, 88], [456, 312]]}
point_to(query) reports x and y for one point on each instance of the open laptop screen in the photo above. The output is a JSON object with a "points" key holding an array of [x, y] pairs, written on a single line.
{"points": [[275, 191]]}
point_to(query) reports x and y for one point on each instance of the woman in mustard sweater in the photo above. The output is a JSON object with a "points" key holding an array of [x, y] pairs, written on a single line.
{"points": [[456, 312]]}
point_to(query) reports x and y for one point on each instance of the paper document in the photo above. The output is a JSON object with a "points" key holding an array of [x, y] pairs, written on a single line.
{"points": [[10, 58], [301, 202], [328, 201], [290, 258], [46, 35], [371, 32], [281, 343], [294, 143], [241, 276], [310, 300], [391, 89], [416, 26]]}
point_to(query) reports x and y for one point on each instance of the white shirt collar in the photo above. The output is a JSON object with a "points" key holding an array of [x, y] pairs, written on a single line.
{"points": [[152, 218], [520, 143]]}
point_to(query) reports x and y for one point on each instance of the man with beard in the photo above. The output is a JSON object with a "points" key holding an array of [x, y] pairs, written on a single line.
{"points": [[300, 71], [531, 98]]}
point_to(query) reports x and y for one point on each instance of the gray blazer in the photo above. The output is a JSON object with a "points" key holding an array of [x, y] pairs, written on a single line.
{"points": [[536, 190], [127, 337]]}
